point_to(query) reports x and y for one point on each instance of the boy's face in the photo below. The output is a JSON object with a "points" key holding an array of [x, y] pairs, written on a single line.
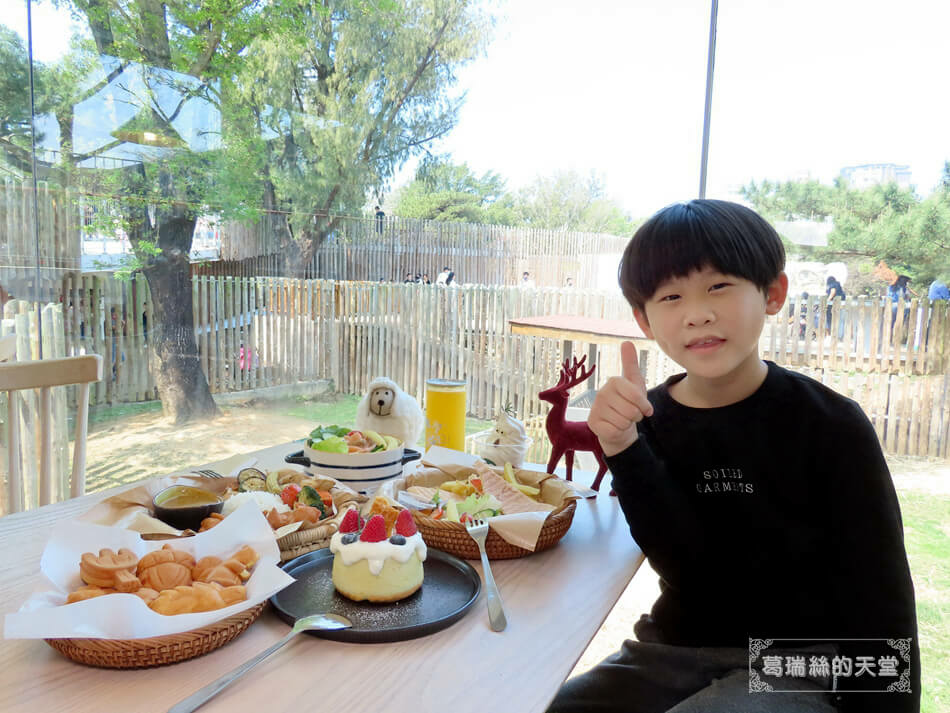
{"points": [[709, 323]]}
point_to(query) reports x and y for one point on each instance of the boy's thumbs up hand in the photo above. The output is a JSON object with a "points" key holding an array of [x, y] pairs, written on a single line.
{"points": [[620, 404]]}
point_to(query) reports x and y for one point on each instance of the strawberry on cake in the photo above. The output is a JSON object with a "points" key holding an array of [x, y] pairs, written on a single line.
{"points": [[370, 564]]}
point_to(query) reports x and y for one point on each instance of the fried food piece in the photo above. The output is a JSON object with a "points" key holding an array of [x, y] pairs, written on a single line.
{"points": [[110, 570], [278, 519], [306, 514], [197, 597], [210, 521], [166, 568]]}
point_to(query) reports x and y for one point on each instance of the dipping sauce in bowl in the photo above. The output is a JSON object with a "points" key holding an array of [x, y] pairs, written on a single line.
{"points": [[185, 506]]}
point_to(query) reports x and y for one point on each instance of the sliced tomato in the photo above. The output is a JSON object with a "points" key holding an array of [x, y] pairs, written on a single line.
{"points": [[290, 493], [476, 483]]}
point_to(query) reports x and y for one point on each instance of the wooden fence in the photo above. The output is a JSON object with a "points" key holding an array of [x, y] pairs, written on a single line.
{"points": [[356, 249], [259, 332], [25, 262], [362, 249]]}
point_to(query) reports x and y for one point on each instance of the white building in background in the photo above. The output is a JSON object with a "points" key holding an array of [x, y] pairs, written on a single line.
{"points": [[872, 174]]}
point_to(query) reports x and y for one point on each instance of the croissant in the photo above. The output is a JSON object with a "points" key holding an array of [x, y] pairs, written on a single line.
{"points": [[247, 556], [198, 597], [166, 568], [225, 573], [146, 595], [91, 591], [110, 570], [88, 592]]}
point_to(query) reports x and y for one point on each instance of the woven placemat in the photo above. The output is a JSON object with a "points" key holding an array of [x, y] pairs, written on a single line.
{"points": [[156, 650]]}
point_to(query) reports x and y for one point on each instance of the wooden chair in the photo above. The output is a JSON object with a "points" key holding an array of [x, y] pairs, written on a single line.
{"points": [[7, 347], [43, 375]]}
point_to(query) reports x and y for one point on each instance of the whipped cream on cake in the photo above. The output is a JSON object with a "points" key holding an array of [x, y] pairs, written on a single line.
{"points": [[370, 564]]}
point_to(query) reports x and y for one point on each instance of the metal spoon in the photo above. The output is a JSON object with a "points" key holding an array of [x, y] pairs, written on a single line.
{"points": [[318, 622]]}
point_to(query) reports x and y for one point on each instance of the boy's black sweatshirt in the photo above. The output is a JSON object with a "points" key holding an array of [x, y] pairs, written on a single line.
{"points": [[774, 517]]}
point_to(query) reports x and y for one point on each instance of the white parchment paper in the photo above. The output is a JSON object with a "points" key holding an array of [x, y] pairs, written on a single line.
{"points": [[124, 616]]}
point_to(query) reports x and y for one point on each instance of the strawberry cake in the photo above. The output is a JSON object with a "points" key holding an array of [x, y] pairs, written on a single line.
{"points": [[371, 564]]}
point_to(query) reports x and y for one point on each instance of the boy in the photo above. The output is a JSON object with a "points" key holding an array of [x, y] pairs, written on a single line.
{"points": [[760, 497]]}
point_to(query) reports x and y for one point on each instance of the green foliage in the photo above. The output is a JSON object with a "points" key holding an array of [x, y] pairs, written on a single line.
{"points": [[343, 94], [569, 201], [445, 191], [449, 192], [883, 222], [15, 118]]}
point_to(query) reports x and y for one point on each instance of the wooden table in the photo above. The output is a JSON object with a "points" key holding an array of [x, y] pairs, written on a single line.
{"points": [[555, 600]]}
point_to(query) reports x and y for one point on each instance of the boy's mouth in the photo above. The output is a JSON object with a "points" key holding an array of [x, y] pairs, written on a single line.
{"points": [[704, 343]]}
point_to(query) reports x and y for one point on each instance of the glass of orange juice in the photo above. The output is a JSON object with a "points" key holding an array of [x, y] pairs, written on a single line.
{"points": [[445, 413]]}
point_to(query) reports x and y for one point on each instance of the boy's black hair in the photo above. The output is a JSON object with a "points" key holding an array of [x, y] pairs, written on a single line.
{"points": [[701, 233]]}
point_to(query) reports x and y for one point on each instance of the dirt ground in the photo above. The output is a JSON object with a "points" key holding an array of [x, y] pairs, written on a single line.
{"points": [[148, 445]]}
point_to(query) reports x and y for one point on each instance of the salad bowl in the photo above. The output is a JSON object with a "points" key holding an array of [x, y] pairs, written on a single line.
{"points": [[362, 471]]}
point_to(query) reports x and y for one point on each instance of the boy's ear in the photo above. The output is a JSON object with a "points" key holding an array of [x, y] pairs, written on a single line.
{"points": [[775, 294], [642, 320]]}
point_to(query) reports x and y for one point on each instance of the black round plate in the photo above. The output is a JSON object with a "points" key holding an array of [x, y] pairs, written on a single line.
{"points": [[448, 591]]}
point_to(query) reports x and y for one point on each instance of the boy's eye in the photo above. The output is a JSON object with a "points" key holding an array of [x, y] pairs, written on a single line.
{"points": [[719, 286], [669, 298]]}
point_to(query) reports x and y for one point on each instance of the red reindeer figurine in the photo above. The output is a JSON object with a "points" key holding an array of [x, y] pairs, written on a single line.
{"points": [[569, 436]]}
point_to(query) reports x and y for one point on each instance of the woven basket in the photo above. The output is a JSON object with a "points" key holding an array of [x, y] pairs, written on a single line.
{"points": [[304, 541], [452, 537], [157, 650], [315, 538]]}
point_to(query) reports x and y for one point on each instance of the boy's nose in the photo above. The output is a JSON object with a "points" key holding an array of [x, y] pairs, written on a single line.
{"points": [[699, 316]]}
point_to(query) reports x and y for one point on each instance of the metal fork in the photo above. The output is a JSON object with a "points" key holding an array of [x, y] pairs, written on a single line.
{"points": [[208, 473], [478, 530]]}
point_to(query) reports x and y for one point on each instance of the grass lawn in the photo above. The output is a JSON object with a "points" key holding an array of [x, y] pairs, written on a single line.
{"points": [[927, 538]]}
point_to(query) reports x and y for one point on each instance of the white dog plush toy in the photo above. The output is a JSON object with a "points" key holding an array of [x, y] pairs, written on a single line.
{"points": [[389, 410]]}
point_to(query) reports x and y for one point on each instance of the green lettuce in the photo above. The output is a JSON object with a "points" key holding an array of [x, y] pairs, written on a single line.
{"points": [[482, 506], [322, 432], [333, 444]]}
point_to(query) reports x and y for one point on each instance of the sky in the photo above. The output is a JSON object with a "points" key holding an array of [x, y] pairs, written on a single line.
{"points": [[802, 89]]}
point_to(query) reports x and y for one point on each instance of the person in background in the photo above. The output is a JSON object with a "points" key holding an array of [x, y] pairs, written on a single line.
{"points": [[380, 217], [409, 277], [526, 280], [834, 290], [569, 282], [897, 291], [450, 279], [752, 534], [425, 279], [938, 291], [443, 276]]}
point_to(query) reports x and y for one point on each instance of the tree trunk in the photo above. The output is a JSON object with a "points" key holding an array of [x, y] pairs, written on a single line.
{"points": [[181, 384]]}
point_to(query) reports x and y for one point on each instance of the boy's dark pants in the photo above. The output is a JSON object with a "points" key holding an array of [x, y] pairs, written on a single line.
{"points": [[658, 678]]}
